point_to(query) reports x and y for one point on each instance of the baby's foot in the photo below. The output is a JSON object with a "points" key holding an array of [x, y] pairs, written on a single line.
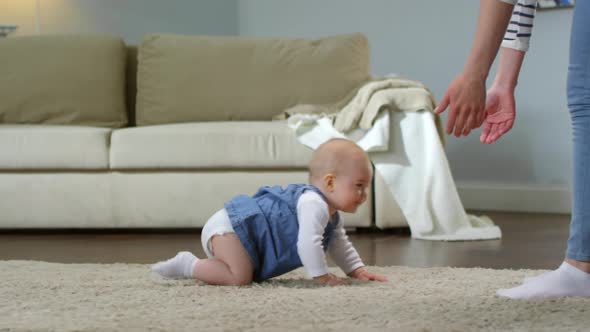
{"points": [[567, 280], [177, 267]]}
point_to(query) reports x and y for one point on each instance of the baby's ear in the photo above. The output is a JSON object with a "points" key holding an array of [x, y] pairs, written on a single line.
{"points": [[329, 182]]}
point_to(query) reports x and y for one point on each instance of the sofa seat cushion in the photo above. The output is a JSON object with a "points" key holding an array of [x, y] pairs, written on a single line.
{"points": [[53, 147], [216, 145]]}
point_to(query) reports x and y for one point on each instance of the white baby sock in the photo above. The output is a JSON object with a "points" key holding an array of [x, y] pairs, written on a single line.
{"points": [[567, 280], [180, 266]]}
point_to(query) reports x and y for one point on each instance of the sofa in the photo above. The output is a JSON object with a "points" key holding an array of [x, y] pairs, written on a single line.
{"points": [[98, 134]]}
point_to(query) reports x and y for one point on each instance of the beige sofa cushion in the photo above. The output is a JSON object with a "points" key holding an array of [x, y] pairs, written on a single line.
{"points": [[50, 147], [63, 80], [195, 78], [134, 199], [228, 145]]}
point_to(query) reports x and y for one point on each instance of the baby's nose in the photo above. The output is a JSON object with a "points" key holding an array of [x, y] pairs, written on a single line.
{"points": [[363, 196]]}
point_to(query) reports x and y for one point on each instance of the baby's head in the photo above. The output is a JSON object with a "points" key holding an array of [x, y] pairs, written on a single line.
{"points": [[342, 171]]}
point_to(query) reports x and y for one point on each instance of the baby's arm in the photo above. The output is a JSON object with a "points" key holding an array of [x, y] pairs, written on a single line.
{"points": [[347, 258], [342, 251], [313, 216]]}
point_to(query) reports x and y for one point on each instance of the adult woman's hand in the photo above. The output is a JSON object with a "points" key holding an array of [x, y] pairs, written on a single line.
{"points": [[499, 113], [465, 98]]}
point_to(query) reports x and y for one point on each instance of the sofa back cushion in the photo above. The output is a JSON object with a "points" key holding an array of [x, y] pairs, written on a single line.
{"points": [[201, 78], [55, 79]]}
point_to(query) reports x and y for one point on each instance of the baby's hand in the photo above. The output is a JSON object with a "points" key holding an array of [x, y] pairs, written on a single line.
{"points": [[363, 274], [328, 279]]}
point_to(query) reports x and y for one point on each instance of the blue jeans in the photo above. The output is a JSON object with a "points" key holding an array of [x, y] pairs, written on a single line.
{"points": [[578, 95]]}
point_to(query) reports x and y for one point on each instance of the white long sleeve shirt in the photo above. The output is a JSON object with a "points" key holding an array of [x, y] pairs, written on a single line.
{"points": [[520, 28], [313, 215]]}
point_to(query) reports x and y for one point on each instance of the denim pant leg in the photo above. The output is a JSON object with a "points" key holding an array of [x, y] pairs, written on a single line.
{"points": [[578, 94]]}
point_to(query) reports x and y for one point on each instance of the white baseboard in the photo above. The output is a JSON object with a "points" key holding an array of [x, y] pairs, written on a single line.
{"points": [[507, 197]]}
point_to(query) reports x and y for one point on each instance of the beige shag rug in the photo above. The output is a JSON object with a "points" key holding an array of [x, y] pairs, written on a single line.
{"points": [[39, 296]]}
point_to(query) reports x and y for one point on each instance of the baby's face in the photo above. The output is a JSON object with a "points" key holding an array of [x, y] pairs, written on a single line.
{"points": [[350, 187]]}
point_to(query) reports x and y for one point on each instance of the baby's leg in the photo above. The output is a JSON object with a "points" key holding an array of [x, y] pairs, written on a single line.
{"points": [[231, 264]]}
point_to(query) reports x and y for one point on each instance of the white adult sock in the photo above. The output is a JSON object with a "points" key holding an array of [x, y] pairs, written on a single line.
{"points": [[529, 279], [180, 266], [567, 280]]}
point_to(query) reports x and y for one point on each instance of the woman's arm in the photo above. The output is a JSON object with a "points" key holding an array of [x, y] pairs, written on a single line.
{"points": [[500, 110], [466, 95]]}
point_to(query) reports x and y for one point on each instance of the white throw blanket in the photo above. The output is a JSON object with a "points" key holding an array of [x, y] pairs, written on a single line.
{"points": [[404, 143]]}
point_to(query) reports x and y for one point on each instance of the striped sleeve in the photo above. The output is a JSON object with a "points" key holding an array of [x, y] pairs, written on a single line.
{"points": [[519, 30]]}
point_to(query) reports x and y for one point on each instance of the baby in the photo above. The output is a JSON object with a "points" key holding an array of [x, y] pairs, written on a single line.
{"points": [[277, 230]]}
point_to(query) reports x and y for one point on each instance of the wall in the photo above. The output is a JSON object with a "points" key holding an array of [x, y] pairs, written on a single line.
{"points": [[130, 19], [528, 170]]}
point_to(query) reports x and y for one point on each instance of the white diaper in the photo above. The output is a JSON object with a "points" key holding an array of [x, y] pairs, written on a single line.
{"points": [[218, 224]]}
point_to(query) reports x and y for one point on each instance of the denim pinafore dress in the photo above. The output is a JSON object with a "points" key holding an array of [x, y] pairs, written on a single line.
{"points": [[267, 227]]}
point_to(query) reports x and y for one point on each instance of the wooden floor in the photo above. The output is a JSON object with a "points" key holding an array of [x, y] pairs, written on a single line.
{"points": [[535, 241]]}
